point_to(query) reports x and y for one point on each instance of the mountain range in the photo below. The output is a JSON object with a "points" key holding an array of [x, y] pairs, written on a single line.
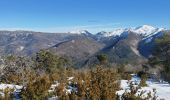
{"points": [[122, 46]]}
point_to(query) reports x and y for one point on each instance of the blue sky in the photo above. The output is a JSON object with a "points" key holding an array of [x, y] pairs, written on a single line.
{"points": [[93, 15]]}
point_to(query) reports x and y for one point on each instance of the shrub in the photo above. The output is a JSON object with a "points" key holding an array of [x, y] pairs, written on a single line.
{"points": [[143, 80], [36, 89]]}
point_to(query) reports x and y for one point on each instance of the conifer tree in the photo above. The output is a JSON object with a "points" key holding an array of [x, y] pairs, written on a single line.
{"points": [[161, 55]]}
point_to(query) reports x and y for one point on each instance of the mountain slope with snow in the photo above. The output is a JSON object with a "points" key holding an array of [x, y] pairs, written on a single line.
{"points": [[116, 32], [79, 32], [121, 45], [144, 31]]}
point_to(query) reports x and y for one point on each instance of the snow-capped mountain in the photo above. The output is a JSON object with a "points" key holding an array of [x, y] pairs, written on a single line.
{"points": [[134, 38], [116, 32], [144, 31], [80, 32]]}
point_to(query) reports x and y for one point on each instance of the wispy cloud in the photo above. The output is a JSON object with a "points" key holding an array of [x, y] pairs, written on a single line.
{"points": [[92, 28]]}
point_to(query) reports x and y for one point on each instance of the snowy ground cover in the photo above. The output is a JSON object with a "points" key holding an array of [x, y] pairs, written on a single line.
{"points": [[162, 89], [16, 89], [67, 89]]}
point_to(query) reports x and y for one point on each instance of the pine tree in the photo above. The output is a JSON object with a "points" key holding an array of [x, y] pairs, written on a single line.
{"points": [[161, 55]]}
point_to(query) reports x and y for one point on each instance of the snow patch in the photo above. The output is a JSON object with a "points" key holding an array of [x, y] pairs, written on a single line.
{"points": [[20, 48], [79, 32], [17, 88], [116, 32], [145, 30], [162, 89]]}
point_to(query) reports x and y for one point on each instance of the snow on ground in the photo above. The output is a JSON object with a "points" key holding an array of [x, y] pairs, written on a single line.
{"points": [[162, 89], [16, 88], [68, 89], [70, 78], [11, 86], [53, 98], [53, 86]]}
